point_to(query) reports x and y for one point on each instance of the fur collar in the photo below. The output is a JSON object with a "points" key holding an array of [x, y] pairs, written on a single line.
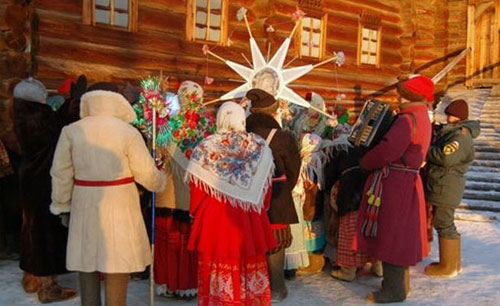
{"points": [[261, 120], [107, 103]]}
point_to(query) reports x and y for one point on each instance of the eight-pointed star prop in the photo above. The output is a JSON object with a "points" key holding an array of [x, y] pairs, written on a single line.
{"points": [[271, 76]]}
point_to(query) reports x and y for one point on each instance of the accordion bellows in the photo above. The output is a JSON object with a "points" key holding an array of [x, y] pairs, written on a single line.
{"points": [[373, 122]]}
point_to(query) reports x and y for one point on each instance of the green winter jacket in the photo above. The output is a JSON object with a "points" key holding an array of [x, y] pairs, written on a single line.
{"points": [[449, 157]]}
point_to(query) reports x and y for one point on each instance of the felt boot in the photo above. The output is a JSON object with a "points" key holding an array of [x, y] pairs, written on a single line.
{"points": [[377, 269], [393, 285], [276, 263], [30, 283], [347, 274], [49, 291], [449, 257], [407, 282], [316, 264]]}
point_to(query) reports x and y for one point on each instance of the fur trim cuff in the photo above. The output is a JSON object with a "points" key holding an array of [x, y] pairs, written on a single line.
{"points": [[59, 208], [162, 183]]}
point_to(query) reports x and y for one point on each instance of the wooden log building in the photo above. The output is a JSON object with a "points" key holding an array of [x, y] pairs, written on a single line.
{"points": [[119, 40]]}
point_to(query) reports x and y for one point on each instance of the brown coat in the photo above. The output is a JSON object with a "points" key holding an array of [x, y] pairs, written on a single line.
{"points": [[287, 161]]}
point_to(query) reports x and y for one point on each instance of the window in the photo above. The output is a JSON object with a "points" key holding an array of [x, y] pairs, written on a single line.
{"points": [[312, 37], [369, 41], [207, 21], [120, 14], [369, 46]]}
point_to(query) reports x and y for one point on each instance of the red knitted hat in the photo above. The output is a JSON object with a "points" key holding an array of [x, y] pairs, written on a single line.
{"points": [[459, 109], [416, 86]]}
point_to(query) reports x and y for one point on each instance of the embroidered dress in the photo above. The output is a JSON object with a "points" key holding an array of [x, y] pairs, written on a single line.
{"points": [[230, 175], [176, 266]]}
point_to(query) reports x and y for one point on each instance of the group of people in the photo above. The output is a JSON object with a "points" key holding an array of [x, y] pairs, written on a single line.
{"points": [[244, 202]]}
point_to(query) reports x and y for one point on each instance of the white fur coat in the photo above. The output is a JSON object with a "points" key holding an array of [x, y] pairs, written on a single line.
{"points": [[106, 229]]}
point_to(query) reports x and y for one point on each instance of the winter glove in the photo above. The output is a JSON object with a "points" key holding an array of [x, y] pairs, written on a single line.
{"points": [[64, 219]]}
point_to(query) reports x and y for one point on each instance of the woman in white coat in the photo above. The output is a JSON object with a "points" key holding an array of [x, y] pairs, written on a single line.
{"points": [[96, 162]]}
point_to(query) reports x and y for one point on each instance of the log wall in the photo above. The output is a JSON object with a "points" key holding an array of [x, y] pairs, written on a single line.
{"points": [[68, 48], [17, 18], [413, 33], [433, 31]]}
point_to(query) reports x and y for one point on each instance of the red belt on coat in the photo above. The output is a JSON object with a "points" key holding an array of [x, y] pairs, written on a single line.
{"points": [[122, 181]]}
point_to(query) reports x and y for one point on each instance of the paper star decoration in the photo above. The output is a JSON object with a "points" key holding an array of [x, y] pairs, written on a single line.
{"points": [[271, 76]]}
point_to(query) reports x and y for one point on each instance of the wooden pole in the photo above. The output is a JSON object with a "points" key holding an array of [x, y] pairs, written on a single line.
{"points": [[322, 112], [153, 216], [295, 27], [268, 51], [216, 56], [211, 102], [248, 25], [218, 100], [331, 59], [450, 66], [291, 61], [246, 59]]}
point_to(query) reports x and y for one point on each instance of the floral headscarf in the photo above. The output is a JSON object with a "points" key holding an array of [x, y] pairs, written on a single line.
{"points": [[193, 123], [190, 95], [233, 165]]}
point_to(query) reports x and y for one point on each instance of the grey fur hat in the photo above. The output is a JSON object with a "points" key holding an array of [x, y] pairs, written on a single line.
{"points": [[31, 89]]}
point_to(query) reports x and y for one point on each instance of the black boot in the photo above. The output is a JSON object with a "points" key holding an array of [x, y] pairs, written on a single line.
{"points": [[393, 286], [276, 263]]}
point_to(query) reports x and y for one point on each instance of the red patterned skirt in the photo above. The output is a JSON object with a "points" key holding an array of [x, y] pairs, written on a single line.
{"points": [[175, 266], [224, 282], [346, 256]]}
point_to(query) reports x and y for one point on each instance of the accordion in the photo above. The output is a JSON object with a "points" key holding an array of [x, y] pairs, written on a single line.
{"points": [[373, 122]]}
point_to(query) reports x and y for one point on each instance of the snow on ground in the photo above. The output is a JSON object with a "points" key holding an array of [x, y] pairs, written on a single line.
{"points": [[478, 284]]}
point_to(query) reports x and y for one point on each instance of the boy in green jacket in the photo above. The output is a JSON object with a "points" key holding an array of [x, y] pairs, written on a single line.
{"points": [[449, 157]]}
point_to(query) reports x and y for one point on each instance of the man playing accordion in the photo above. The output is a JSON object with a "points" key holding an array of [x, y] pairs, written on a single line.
{"points": [[392, 223]]}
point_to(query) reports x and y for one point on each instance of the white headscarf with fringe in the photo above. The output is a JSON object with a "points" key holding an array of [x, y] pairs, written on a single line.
{"points": [[313, 158], [233, 165]]}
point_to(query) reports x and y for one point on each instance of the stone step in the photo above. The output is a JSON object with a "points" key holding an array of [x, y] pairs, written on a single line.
{"points": [[488, 155], [491, 121], [491, 177], [489, 135], [485, 170], [480, 205], [487, 143], [489, 126], [491, 195], [484, 186], [486, 109], [493, 164], [487, 149]]}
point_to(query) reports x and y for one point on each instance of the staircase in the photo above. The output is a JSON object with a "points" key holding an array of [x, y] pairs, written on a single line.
{"points": [[482, 190]]}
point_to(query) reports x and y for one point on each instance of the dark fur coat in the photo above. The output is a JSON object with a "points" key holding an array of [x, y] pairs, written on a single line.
{"points": [[43, 237]]}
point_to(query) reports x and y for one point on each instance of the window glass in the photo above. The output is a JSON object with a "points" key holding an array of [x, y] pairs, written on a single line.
{"points": [[121, 4], [102, 16], [121, 19]]}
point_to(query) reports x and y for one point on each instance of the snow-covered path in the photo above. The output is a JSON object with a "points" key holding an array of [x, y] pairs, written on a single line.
{"points": [[478, 284]]}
